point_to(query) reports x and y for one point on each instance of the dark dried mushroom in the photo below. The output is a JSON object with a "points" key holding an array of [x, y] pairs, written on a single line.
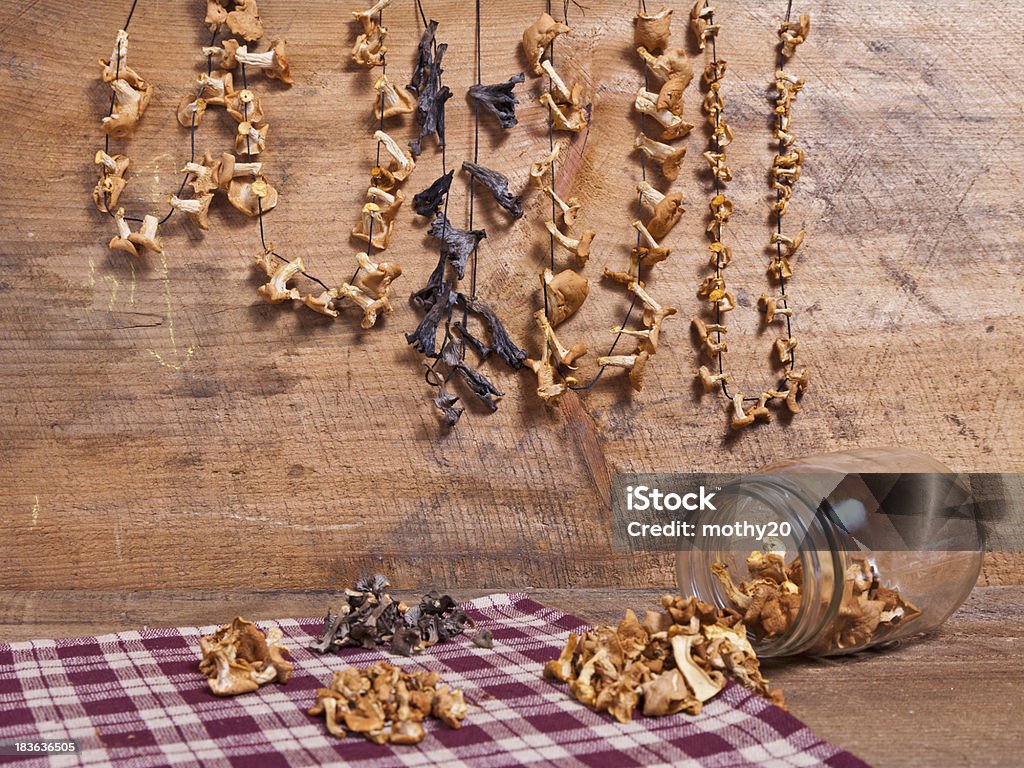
{"points": [[478, 384], [448, 405], [424, 338], [428, 202], [369, 616], [497, 184], [499, 99], [456, 244], [483, 638], [501, 342], [426, 84]]}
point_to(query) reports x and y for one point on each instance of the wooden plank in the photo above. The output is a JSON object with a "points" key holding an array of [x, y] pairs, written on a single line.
{"points": [[163, 429], [952, 698]]}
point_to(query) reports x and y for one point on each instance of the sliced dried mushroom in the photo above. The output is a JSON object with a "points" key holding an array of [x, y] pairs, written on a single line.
{"points": [[539, 36], [498, 99], [653, 30], [387, 705], [239, 658], [497, 185]]}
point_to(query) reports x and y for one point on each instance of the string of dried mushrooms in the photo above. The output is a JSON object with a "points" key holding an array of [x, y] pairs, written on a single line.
{"points": [[440, 299], [710, 329]]}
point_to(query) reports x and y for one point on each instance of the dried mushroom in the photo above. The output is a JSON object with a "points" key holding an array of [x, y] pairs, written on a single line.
{"points": [[122, 240], [392, 100], [197, 208], [674, 661], [369, 49], [426, 84], [538, 36], [672, 64], [579, 247], [129, 107], [274, 62], [668, 157], [239, 658], [401, 163], [497, 185], [564, 293], [112, 180], [569, 208], [368, 616], [653, 30], [498, 99], [116, 68], [771, 599], [277, 291], [428, 202], [146, 237], [251, 139], [703, 30], [666, 209], [456, 244], [387, 705], [793, 33], [370, 290], [673, 126], [251, 196], [244, 21], [540, 170], [574, 121]]}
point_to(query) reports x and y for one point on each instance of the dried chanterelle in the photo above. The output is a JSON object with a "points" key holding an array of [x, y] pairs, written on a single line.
{"points": [[771, 599], [538, 36], [387, 705], [239, 658], [672, 661]]}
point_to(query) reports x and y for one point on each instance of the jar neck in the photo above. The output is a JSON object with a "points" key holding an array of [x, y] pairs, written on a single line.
{"points": [[812, 541]]}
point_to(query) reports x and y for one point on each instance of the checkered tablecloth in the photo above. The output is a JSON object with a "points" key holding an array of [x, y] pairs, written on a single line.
{"points": [[137, 699]]}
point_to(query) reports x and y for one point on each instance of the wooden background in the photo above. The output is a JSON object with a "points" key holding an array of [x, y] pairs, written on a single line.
{"points": [[163, 429]]}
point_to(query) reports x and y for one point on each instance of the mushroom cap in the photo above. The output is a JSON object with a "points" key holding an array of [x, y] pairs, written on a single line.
{"points": [[653, 30], [666, 214], [566, 293], [244, 21], [282, 70], [537, 36], [241, 195]]}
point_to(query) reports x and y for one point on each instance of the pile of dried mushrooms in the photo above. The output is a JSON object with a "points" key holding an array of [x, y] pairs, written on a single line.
{"points": [[672, 661], [239, 658]]}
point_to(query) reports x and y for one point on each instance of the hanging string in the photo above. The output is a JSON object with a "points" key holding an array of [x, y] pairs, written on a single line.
{"points": [[472, 185]]}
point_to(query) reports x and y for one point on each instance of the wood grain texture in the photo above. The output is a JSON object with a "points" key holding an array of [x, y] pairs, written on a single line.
{"points": [[162, 428], [951, 699]]}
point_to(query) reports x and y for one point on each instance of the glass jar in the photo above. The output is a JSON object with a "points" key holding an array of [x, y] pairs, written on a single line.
{"points": [[886, 534]]}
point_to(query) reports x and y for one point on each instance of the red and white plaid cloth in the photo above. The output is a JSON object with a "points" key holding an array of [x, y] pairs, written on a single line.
{"points": [[137, 699]]}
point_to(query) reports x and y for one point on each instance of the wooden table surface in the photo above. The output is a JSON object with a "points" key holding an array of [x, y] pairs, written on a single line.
{"points": [[953, 698]]}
